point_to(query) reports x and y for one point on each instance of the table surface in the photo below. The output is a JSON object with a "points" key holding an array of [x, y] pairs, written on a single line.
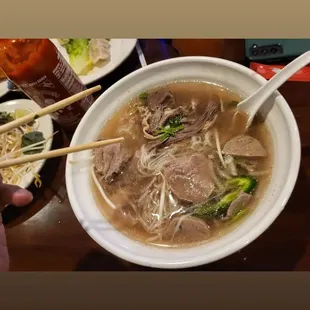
{"points": [[45, 236]]}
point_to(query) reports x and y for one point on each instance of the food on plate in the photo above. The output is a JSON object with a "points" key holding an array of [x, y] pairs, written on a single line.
{"points": [[187, 171], [85, 54], [23, 140]]}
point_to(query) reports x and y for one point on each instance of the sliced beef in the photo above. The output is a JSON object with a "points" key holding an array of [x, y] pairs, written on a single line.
{"points": [[189, 229], [244, 146], [203, 114], [155, 121], [168, 114], [132, 181], [199, 109], [110, 159], [189, 178], [239, 203], [160, 117], [151, 145], [159, 100]]}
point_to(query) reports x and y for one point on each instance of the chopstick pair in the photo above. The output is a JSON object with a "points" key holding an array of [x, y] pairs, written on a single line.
{"points": [[59, 152]]}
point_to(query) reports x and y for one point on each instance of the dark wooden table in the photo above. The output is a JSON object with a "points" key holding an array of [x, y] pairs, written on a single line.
{"points": [[45, 236]]}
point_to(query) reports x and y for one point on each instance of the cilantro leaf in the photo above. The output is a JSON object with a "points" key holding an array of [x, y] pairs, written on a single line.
{"points": [[172, 126]]}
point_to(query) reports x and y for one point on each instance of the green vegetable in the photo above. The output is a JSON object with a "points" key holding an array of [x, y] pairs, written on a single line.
{"points": [[143, 96], [239, 215], [168, 131], [237, 185], [172, 126], [5, 117], [245, 183], [77, 50], [175, 121], [218, 209], [32, 138]]}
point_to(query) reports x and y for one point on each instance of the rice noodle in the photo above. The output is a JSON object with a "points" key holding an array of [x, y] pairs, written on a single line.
{"points": [[146, 127], [209, 124], [162, 199], [151, 163], [215, 179], [99, 187], [218, 146], [233, 123], [231, 167], [222, 105], [177, 226], [154, 209]]}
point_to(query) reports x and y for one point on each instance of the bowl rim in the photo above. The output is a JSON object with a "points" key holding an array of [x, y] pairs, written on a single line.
{"points": [[238, 243]]}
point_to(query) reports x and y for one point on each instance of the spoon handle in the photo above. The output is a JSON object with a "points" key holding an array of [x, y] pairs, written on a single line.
{"points": [[277, 80]]}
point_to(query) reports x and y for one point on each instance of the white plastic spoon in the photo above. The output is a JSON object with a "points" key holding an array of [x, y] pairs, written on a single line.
{"points": [[253, 103]]}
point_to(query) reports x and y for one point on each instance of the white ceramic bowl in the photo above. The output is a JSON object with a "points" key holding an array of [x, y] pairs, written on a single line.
{"points": [[286, 144]]}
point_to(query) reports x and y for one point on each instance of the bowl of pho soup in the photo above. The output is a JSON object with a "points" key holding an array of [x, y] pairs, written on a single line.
{"points": [[188, 185]]}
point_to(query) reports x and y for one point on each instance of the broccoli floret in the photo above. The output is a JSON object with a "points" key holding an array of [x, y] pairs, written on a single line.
{"points": [[246, 183], [237, 185]]}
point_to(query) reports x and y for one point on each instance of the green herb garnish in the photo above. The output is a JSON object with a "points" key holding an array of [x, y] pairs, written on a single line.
{"points": [[5, 117], [175, 121], [143, 96], [32, 138], [171, 127]]}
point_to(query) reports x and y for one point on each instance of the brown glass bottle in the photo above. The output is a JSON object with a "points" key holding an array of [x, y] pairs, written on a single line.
{"points": [[41, 72]]}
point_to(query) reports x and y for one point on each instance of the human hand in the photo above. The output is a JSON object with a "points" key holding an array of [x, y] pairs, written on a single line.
{"points": [[10, 195]]}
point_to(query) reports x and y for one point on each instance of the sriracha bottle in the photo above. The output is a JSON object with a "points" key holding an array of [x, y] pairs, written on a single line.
{"points": [[42, 73]]}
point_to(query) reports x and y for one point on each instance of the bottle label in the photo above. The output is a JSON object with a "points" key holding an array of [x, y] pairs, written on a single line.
{"points": [[58, 82]]}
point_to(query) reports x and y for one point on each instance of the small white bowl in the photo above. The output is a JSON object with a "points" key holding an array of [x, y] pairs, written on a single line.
{"points": [[286, 144], [45, 125]]}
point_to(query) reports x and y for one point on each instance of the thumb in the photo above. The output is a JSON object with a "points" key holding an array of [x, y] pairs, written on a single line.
{"points": [[12, 194]]}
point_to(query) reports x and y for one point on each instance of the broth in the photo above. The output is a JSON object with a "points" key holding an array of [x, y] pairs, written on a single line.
{"points": [[181, 183]]}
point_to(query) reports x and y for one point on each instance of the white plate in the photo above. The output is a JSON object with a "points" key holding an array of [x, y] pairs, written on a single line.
{"points": [[120, 50], [45, 126], [3, 88]]}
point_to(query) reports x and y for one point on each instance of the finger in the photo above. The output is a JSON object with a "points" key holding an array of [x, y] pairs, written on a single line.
{"points": [[12, 194], [4, 255]]}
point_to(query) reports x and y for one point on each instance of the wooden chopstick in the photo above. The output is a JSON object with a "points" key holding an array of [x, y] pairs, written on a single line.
{"points": [[57, 153], [50, 109]]}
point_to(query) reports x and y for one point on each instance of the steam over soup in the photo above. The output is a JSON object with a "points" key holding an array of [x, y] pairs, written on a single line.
{"points": [[187, 170]]}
